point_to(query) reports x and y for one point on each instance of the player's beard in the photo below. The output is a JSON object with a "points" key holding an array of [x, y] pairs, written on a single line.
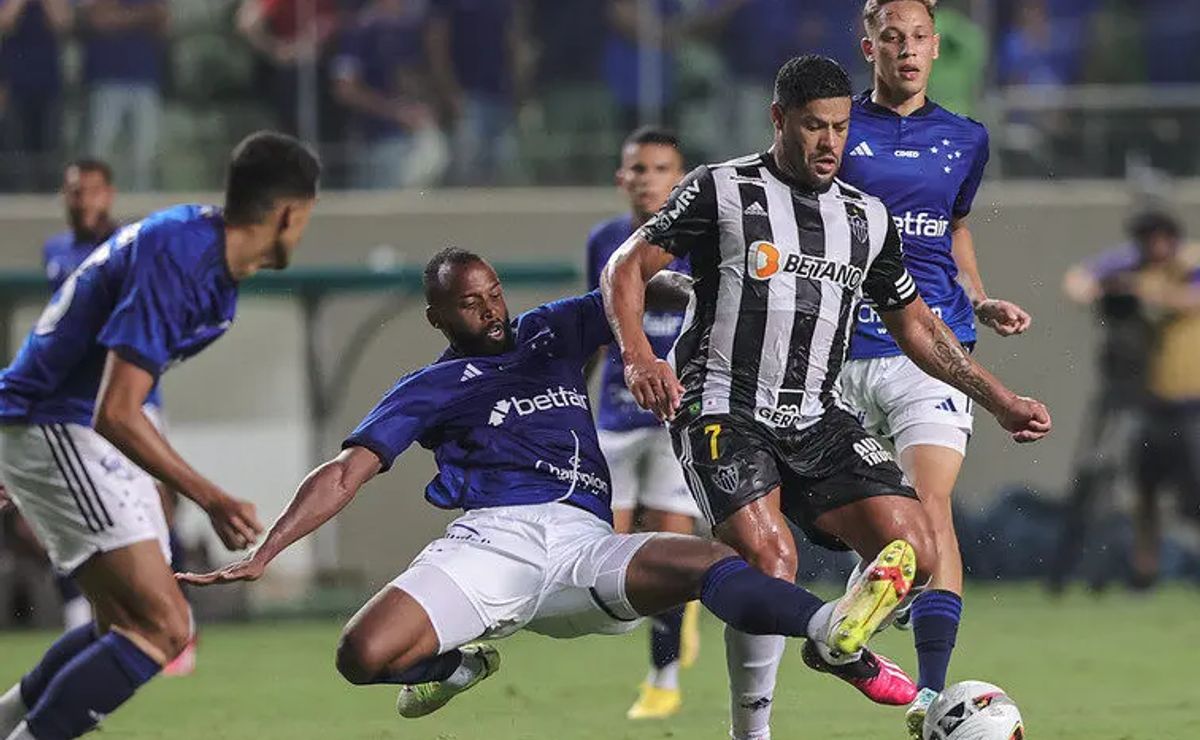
{"points": [[484, 344]]}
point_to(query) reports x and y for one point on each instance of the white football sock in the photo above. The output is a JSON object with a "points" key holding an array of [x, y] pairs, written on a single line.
{"points": [[471, 667], [21, 733], [666, 677], [752, 661], [76, 613], [12, 710]]}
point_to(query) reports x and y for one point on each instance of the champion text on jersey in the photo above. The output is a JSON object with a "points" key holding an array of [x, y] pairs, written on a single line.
{"points": [[764, 261], [553, 398], [862, 150]]}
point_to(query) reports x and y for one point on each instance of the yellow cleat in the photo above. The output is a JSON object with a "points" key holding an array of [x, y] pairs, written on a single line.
{"points": [[872, 598], [655, 703], [689, 635]]}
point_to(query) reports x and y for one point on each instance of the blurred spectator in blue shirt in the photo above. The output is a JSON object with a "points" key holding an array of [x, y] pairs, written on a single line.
{"points": [[475, 55], [756, 37], [381, 78], [1043, 44], [293, 38], [123, 67], [638, 64], [1170, 30], [30, 55], [578, 124]]}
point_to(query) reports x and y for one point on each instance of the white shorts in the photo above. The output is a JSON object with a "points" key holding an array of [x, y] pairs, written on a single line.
{"points": [[550, 568], [894, 398], [645, 471], [79, 493]]}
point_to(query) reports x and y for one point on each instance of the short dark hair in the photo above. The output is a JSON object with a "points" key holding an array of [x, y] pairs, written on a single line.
{"points": [[431, 280], [265, 167], [810, 77], [652, 135], [92, 164], [1148, 223]]}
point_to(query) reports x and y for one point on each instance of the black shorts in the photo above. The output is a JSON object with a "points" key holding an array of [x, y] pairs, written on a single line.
{"points": [[730, 462]]}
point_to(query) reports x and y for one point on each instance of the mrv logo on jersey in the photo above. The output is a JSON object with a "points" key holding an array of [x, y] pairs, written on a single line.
{"points": [[765, 261], [921, 224], [553, 398]]}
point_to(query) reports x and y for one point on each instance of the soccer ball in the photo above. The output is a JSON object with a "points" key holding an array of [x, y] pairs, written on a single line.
{"points": [[973, 710]]}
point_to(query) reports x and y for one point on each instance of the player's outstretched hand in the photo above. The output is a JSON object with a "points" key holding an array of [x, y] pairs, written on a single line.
{"points": [[1026, 419], [1003, 317], [235, 522], [249, 569], [654, 386]]}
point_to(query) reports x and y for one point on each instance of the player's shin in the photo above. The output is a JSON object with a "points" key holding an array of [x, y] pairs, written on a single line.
{"points": [[15, 703], [90, 686], [665, 630], [935, 618], [753, 661], [752, 602]]}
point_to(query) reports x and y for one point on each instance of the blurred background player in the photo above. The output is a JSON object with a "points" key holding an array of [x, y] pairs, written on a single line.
{"points": [[925, 163], [78, 454], [88, 194], [1143, 420], [648, 487]]}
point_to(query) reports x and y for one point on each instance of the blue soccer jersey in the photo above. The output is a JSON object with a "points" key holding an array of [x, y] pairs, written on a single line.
{"points": [[62, 254], [506, 430], [618, 410], [157, 292], [926, 168]]}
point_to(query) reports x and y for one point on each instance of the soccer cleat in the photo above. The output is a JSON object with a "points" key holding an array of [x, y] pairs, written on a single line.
{"points": [[876, 677], [184, 663], [914, 718], [418, 700], [689, 635], [871, 598], [655, 703]]}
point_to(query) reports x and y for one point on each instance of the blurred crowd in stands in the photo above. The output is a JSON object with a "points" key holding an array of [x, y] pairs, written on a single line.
{"points": [[414, 93]]}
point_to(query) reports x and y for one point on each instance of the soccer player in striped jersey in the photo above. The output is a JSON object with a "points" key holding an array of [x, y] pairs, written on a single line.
{"points": [[925, 163], [781, 252]]}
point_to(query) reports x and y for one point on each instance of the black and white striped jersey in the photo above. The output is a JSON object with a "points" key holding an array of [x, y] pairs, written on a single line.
{"points": [[778, 271]]}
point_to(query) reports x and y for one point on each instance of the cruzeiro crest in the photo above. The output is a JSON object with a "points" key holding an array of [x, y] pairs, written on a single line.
{"points": [[860, 228], [727, 478]]}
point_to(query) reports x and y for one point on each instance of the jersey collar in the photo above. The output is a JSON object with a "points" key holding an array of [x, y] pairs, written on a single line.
{"points": [[870, 106]]}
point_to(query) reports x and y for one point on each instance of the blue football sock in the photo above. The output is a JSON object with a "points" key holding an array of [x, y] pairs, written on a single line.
{"points": [[665, 631], [68, 645], [67, 588], [757, 604], [437, 668], [935, 618], [93, 684]]}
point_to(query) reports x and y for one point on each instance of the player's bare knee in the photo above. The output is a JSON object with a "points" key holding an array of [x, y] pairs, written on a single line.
{"points": [[775, 557], [358, 660]]}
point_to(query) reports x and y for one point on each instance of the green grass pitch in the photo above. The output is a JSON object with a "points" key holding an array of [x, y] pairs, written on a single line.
{"points": [[1119, 667]]}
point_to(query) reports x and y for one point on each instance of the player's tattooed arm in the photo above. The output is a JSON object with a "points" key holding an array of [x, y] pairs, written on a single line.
{"points": [[931, 344], [623, 287]]}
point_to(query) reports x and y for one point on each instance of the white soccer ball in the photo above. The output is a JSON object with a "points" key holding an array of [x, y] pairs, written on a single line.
{"points": [[973, 710]]}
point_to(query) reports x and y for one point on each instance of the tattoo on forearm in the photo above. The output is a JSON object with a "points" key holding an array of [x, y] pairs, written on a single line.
{"points": [[955, 364]]}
